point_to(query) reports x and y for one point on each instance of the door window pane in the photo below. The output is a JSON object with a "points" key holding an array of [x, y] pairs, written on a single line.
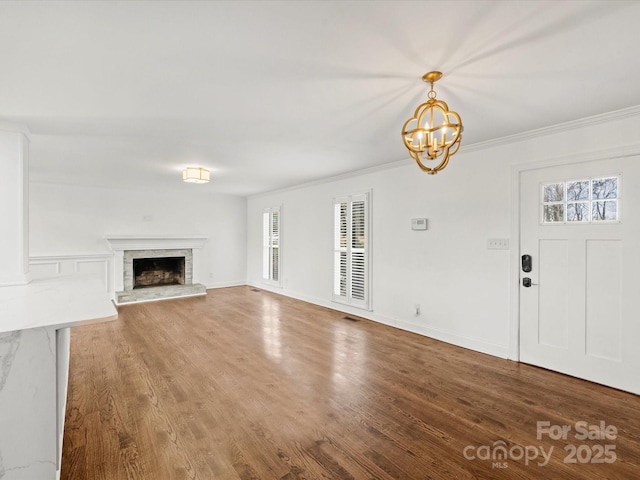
{"points": [[605, 188], [605, 211], [553, 213], [553, 192], [578, 212], [578, 190]]}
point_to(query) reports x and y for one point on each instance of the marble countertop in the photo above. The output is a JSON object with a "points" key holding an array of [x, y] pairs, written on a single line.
{"points": [[65, 301]]}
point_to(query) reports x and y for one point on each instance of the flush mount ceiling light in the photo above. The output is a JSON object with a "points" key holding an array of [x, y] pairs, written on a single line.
{"points": [[195, 175], [434, 132]]}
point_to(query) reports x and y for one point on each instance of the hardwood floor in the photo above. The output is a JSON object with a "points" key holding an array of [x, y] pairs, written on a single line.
{"points": [[246, 384]]}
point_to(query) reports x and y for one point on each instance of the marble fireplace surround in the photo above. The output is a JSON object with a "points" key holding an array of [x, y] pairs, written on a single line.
{"points": [[128, 247]]}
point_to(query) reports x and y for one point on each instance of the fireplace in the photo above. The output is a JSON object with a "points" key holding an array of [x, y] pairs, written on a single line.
{"points": [[155, 267], [155, 272], [159, 267]]}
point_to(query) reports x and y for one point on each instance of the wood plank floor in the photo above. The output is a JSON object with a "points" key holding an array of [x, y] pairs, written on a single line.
{"points": [[246, 384]]}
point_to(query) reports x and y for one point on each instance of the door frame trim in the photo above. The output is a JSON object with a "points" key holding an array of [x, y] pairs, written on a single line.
{"points": [[517, 169]]}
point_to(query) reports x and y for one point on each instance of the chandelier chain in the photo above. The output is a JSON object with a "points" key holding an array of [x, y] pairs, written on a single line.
{"points": [[432, 93]]}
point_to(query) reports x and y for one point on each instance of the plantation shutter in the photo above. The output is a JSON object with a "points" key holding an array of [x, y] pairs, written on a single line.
{"points": [[358, 250], [275, 245], [351, 232], [271, 245], [340, 250]]}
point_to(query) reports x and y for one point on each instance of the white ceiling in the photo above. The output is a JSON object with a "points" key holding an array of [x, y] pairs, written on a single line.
{"points": [[271, 94]]}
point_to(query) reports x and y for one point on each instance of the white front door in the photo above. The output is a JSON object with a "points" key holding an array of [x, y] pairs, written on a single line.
{"points": [[580, 301]]}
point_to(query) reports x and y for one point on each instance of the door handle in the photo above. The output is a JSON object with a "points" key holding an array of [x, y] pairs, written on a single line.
{"points": [[526, 282]]}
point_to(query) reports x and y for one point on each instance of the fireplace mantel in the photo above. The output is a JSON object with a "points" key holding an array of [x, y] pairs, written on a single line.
{"points": [[154, 242]]}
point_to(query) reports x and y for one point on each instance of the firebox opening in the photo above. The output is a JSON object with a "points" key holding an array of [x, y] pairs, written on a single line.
{"points": [[154, 272]]}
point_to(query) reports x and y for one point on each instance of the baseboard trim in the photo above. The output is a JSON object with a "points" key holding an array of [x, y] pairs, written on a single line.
{"points": [[470, 343], [213, 286]]}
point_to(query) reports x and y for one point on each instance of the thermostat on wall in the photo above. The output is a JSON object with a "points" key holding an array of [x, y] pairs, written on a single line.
{"points": [[418, 224]]}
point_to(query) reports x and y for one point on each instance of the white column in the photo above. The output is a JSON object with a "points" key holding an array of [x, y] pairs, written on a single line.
{"points": [[118, 270], [14, 205]]}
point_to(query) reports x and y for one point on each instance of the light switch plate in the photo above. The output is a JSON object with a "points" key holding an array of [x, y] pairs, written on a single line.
{"points": [[498, 244]]}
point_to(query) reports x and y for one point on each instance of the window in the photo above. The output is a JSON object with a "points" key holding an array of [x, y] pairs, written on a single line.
{"points": [[581, 201], [271, 257], [351, 250]]}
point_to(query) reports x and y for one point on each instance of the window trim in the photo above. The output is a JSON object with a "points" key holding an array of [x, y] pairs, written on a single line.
{"points": [[347, 298], [268, 245]]}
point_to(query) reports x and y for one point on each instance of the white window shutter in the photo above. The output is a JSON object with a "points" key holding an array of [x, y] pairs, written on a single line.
{"points": [[351, 250], [275, 245], [271, 248], [265, 244]]}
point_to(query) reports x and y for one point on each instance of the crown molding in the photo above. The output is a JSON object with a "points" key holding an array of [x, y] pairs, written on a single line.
{"points": [[557, 128], [15, 128], [518, 137], [620, 151], [335, 178]]}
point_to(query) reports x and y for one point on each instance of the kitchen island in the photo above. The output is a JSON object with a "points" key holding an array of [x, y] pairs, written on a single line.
{"points": [[35, 322]]}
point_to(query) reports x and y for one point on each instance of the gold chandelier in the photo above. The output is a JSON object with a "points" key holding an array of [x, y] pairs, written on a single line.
{"points": [[434, 132]]}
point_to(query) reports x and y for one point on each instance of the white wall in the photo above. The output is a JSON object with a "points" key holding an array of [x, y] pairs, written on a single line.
{"points": [[73, 220], [460, 285], [464, 290]]}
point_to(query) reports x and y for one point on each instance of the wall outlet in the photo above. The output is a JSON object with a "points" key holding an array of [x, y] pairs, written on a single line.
{"points": [[498, 244]]}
